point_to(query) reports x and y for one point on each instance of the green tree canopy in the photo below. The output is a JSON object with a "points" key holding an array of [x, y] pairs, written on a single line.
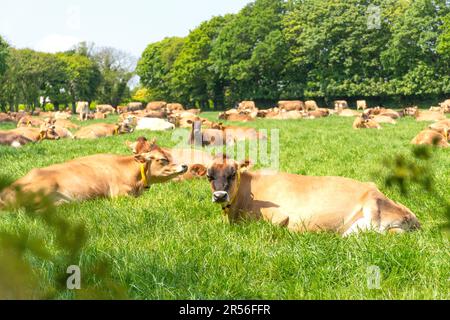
{"points": [[83, 77], [155, 65], [3, 55]]}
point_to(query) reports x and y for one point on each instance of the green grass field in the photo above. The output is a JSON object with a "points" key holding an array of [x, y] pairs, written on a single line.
{"points": [[173, 243]]}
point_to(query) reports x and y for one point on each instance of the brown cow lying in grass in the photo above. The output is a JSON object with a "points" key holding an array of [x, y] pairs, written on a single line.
{"points": [[239, 133], [303, 203], [98, 176], [365, 122], [443, 127], [28, 121], [13, 140], [196, 160], [66, 124], [207, 137], [234, 115], [100, 130], [383, 119], [431, 137], [429, 116], [46, 132], [6, 117]]}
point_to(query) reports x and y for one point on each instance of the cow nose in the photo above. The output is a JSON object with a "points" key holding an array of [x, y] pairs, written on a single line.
{"points": [[184, 168], [220, 196]]}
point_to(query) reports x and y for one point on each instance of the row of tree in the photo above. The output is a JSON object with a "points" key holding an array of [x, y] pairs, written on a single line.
{"points": [[321, 49], [85, 73]]}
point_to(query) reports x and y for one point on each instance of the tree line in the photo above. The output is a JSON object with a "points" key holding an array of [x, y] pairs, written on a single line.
{"points": [[306, 49], [33, 79]]}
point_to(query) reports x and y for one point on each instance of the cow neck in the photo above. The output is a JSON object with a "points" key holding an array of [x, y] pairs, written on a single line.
{"points": [[227, 209]]}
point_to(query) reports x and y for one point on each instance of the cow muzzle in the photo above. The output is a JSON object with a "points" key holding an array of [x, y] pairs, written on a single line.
{"points": [[220, 197], [183, 169]]}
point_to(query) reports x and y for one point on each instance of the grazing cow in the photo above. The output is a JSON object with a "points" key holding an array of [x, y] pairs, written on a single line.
{"points": [[154, 124], [361, 104], [340, 105], [303, 203], [105, 108], [156, 106], [291, 105], [83, 110], [135, 106], [431, 137], [99, 176], [13, 140], [365, 122], [45, 132], [100, 130], [311, 105], [196, 160], [429, 116]]}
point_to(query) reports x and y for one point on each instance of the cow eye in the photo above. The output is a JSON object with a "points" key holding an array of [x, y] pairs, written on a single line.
{"points": [[210, 178], [164, 162]]}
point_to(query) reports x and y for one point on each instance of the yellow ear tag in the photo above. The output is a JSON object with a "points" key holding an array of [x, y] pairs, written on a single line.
{"points": [[143, 176]]}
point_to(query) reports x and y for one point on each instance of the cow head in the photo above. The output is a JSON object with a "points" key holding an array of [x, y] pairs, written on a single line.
{"points": [[217, 126], [125, 126], [48, 130], [224, 176], [159, 165]]}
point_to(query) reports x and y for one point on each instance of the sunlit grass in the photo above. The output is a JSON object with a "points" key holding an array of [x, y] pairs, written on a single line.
{"points": [[172, 242]]}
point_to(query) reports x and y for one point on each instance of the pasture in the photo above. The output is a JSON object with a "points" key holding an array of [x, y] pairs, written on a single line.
{"points": [[173, 243]]}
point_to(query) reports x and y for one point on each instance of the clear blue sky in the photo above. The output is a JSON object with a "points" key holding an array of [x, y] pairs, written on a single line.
{"points": [[130, 25]]}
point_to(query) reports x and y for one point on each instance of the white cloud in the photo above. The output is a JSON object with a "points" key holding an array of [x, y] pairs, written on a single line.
{"points": [[56, 43]]}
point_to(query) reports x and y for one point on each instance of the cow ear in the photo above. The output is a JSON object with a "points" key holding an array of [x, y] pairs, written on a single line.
{"points": [[130, 145], [245, 165], [189, 122], [198, 170]]}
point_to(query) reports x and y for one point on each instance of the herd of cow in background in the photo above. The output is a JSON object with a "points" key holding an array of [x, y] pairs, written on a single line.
{"points": [[300, 203], [161, 116]]}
